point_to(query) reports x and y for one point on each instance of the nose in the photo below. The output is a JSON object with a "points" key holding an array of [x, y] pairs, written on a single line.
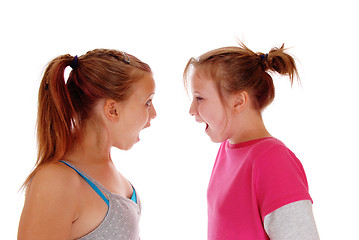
{"points": [[153, 112], [193, 108]]}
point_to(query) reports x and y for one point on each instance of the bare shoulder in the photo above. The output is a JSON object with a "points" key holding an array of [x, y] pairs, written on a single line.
{"points": [[55, 178], [51, 203], [52, 185]]}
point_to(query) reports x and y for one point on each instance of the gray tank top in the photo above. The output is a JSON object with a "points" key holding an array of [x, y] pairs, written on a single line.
{"points": [[122, 219]]}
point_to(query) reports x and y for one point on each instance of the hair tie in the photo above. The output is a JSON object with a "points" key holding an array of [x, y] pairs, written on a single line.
{"points": [[74, 62], [264, 57], [126, 59]]}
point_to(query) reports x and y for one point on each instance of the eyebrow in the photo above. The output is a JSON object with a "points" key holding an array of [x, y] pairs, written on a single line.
{"points": [[151, 94], [196, 92]]}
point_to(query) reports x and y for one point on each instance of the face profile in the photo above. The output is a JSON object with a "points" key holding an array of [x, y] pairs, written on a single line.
{"points": [[134, 114], [207, 107]]}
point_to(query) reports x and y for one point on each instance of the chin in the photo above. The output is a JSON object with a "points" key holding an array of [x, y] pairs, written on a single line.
{"points": [[125, 147], [217, 140], [218, 136]]}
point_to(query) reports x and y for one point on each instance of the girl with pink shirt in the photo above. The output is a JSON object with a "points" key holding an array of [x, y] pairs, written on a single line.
{"points": [[258, 188]]}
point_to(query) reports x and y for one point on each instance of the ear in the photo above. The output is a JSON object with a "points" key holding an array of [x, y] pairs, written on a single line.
{"points": [[111, 109], [239, 101]]}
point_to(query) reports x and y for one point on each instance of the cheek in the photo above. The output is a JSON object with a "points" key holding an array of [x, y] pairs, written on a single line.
{"points": [[212, 115], [133, 122], [142, 117]]}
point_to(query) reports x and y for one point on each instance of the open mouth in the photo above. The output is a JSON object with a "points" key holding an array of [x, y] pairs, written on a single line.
{"points": [[147, 125], [202, 122]]}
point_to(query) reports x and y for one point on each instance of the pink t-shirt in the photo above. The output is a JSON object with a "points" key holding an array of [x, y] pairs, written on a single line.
{"points": [[250, 180]]}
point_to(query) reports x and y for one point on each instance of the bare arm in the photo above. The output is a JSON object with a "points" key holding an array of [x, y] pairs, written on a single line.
{"points": [[50, 205], [294, 221]]}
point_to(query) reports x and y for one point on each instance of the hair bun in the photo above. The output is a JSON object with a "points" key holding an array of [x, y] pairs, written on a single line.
{"points": [[282, 63]]}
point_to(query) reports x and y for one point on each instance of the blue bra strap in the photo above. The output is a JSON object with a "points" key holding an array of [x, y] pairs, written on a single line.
{"points": [[94, 187], [134, 197]]}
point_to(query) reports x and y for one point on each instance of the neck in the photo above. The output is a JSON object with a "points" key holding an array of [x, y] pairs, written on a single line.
{"points": [[251, 127], [92, 147]]}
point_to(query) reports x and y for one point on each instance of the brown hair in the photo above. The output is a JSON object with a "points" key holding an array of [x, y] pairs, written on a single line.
{"points": [[238, 68], [62, 107]]}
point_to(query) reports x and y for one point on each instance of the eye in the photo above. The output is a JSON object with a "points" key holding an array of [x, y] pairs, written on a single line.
{"points": [[149, 103], [198, 98]]}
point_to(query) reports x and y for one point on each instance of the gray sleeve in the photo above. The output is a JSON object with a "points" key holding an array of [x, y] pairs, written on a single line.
{"points": [[294, 221]]}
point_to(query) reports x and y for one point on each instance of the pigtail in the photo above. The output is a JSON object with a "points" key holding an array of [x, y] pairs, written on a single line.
{"points": [[56, 117]]}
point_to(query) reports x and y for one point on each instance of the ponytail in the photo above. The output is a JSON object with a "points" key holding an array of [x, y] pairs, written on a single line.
{"points": [[277, 60], [56, 117], [63, 107], [237, 69]]}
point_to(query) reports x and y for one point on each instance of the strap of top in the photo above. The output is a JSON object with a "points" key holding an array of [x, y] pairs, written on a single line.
{"points": [[134, 197], [94, 187]]}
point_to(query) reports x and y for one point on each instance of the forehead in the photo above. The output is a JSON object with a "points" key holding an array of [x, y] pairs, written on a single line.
{"points": [[205, 86], [201, 82], [145, 83], [143, 88]]}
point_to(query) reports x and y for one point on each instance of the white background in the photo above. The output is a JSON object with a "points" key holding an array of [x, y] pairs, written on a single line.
{"points": [[171, 165]]}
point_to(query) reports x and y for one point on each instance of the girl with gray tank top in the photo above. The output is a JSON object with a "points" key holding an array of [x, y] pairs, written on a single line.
{"points": [[75, 191]]}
